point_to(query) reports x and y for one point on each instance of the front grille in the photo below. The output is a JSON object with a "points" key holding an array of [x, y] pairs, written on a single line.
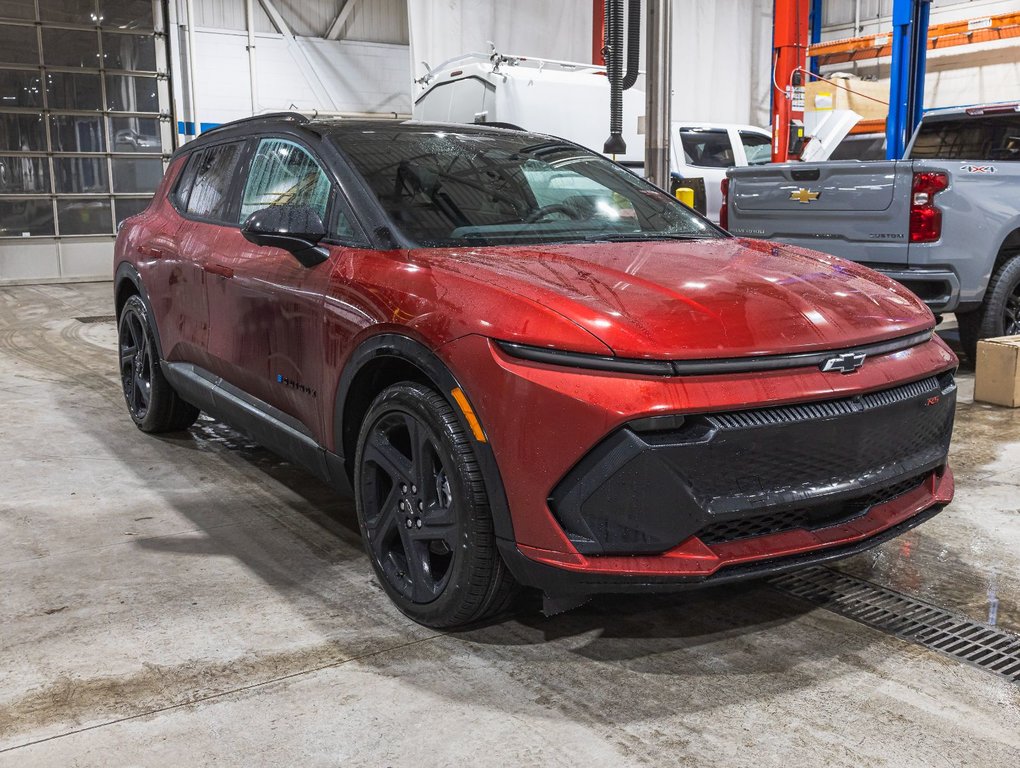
{"points": [[787, 414], [810, 518], [774, 456], [736, 474]]}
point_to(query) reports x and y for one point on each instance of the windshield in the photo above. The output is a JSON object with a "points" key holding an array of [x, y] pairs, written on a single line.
{"points": [[445, 189]]}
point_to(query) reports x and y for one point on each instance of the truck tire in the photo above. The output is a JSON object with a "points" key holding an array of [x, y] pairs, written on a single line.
{"points": [[1000, 313]]}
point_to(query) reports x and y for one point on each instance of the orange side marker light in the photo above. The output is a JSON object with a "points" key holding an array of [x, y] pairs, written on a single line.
{"points": [[469, 414]]}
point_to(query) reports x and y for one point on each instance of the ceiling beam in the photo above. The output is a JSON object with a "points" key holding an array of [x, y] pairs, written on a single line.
{"points": [[346, 8], [276, 17]]}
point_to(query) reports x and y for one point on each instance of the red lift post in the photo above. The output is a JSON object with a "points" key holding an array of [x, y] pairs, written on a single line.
{"points": [[598, 31], [789, 62]]}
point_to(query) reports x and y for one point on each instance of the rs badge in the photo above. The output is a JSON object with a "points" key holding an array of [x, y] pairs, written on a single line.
{"points": [[848, 362]]}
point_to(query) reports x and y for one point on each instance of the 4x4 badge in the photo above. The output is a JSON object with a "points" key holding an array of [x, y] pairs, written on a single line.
{"points": [[848, 362]]}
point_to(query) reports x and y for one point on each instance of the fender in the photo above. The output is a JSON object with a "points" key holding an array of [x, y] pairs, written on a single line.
{"points": [[417, 354]]}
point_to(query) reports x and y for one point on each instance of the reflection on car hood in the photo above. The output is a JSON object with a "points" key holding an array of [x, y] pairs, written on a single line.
{"points": [[708, 298]]}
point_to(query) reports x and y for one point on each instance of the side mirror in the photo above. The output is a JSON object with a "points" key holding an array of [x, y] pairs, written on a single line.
{"points": [[295, 228]]}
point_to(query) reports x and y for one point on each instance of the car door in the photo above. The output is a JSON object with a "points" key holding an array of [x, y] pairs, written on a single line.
{"points": [[266, 321], [201, 198]]}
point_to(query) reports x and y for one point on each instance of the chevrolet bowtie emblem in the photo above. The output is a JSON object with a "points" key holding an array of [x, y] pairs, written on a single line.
{"points": [[848, 362], [804, 195]]}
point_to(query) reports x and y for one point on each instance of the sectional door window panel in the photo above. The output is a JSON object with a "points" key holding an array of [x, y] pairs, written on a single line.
{"points": [[283, 173], [84, 114]]}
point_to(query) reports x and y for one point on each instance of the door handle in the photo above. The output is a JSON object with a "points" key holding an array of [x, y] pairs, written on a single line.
{"points": [[218, 269]]}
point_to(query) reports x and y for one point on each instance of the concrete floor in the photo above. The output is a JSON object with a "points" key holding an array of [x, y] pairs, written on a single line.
{"points": [[195, 601]]}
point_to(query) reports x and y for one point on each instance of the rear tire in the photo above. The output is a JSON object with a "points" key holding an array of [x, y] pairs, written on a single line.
{"points": [[999, 315], [424, 511], [151, 401]]}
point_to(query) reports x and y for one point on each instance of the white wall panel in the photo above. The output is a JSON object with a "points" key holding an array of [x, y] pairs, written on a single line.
{"points": [[355, 76], [721, 61], [381, 21], [722, 48], [443, 29]]}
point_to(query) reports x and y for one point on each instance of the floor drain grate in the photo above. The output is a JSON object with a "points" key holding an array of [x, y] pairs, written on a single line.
{"points": [[90, 319], [965, 640]]}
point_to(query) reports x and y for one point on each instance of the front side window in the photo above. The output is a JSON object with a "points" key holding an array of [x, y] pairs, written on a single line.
{"points": [[214, 169], [706, 148], [282, 173], [757, 148], [444, 189]]}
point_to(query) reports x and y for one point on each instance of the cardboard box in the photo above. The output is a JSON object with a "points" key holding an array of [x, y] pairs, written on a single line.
{"points": [[853, 95], [997, 379]]}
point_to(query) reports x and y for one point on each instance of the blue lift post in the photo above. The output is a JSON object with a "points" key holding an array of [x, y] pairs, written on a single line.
{"points": [[906, 75], [816, 31]]}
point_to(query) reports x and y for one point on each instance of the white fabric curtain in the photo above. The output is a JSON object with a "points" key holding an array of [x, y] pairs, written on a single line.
{"points": [[721, 48], [722, 68]]}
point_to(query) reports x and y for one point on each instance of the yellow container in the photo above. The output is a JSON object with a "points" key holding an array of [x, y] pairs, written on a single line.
{"points": [[685, 195]]}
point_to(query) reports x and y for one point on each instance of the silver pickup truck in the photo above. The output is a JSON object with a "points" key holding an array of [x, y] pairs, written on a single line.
{"points": [[945, 221]]}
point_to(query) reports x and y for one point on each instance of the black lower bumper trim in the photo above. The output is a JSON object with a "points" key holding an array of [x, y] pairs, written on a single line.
{"points": [[560, 581]]}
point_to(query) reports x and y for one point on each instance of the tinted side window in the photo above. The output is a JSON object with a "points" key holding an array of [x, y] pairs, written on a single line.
{"points": [[183, 187], [757, 148], [282, 173], [214, 170], [707, 149]]}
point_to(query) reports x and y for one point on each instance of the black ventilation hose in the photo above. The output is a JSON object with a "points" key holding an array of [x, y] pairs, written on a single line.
{"points": [[615, 145], [633, 43]]}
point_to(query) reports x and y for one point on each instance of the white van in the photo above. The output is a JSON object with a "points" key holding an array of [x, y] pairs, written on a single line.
{"points": [[571, 100]]}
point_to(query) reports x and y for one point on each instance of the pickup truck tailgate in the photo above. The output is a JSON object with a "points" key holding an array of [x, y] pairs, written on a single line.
{"points": [[825, 205]]}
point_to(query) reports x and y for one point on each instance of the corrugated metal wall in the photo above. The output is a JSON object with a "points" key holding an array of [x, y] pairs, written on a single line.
{"points": [[376, 21]]}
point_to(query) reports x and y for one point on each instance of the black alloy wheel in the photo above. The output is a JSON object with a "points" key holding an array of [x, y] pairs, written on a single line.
{"points": [[151, 401], [409, 510], [424, 512], [135, 363]]}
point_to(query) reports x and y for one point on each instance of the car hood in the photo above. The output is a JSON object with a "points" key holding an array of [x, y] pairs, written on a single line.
{"points": [[693, 299]]}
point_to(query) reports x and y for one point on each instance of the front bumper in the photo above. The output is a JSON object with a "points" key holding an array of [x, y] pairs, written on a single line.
{"points": [[693, 566], [563, 421]]}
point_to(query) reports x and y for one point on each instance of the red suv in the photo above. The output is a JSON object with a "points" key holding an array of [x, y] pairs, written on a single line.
{"points": [[531, 366]]}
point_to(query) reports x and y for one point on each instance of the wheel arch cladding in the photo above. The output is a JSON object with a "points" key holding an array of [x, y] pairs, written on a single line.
{"points": [[387, 359], [1010, 247], [127, 282]]}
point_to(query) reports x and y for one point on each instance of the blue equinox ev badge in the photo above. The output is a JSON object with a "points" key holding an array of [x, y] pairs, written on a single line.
{"points": [[848, 362]]}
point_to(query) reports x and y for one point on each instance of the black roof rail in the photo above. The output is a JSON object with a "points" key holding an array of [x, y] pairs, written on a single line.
{"points": [[290, 117]]}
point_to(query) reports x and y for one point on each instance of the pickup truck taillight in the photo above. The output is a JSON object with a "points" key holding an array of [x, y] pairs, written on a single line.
{"points": [[925, 216], [724, 209]]}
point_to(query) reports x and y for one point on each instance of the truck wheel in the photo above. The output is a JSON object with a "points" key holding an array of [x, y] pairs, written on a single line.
{"points": [[1000, 313]]}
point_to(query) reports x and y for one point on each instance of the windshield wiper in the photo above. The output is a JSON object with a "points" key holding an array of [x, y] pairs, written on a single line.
{"points": [[637, 236]]}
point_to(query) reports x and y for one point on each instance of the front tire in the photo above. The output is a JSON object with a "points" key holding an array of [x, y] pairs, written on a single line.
{"points": [[424, 511], [999, 315], [151, 401]]}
